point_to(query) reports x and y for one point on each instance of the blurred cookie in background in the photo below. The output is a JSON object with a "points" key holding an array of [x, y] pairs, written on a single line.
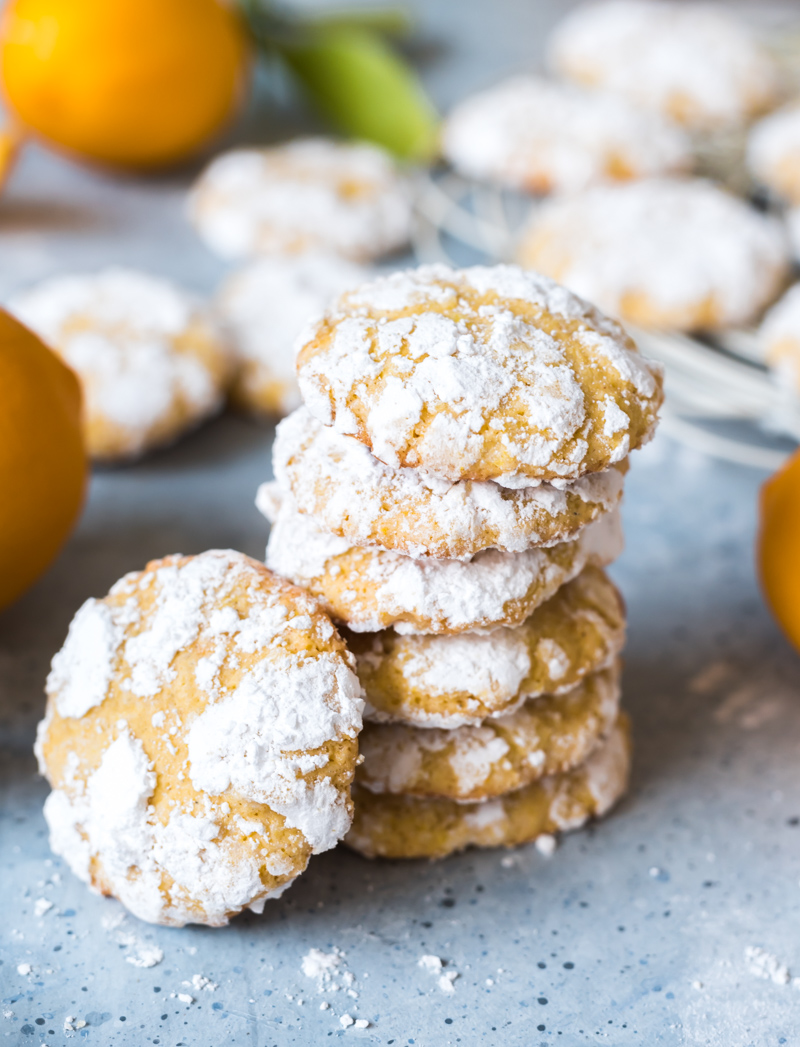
{"points": [[541, 136], [152, 359], [264, 306], [671, 254], [696, 63], [311, 194]]}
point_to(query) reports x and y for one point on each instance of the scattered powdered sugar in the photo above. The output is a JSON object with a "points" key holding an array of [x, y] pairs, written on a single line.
{"points": [[438, 391], [265, 306], [418, 596], [42, 906], [541, 135], [123, 332], [311, 193], [546, 844], [764, 965], [349, 491], [435, 966], [696, 62], [677, 243]]}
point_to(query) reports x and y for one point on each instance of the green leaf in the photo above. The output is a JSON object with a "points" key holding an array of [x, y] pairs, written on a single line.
{"points": [[388, 21], [366, 90]]}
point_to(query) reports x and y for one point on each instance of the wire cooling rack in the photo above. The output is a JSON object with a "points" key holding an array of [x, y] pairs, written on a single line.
{"points": [[720, 398]]}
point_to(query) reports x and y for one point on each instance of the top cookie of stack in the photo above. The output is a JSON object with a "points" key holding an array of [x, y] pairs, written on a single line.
{"points": [[461, 429], [455, 469]]}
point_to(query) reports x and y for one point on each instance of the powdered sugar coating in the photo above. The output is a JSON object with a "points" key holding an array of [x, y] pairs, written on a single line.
{"points": [[779, 338], [373, 588], [392, 826], [265, 305], [152, 360], [773, 152], [696, 63], [542, 136], [455, 681], [349, 492], [547, 735], [679, 254], [487, 373], [219, 746], [311, 194]]}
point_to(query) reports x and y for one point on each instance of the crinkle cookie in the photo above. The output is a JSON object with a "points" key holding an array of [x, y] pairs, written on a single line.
{"points": [[779, 337], [487, 373], [152, 360], [312, 194], [200, 738], [372, 588], [265, 306], [548, 735], [454, 681], [543, 136], [672, 254], [390, 826], [350, 493], [696, 63], [773, 152]]}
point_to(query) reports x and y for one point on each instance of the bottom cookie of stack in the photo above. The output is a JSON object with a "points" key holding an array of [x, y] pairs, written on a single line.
{"points": [[398, 826]]}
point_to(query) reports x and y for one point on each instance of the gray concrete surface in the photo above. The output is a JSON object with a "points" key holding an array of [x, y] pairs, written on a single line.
{"points": [[634, 932]]}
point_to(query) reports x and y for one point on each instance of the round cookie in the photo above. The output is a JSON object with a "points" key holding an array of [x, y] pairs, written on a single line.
{"points": [[265, 306], [773, 152], [152, 361], [695, 63], [548, 735], [389, 826], [542, 136], [670, 254], [200, 738], [312, 194], [454, 681], [350, 493], [779, 338], [487, 373], [373, 588]]}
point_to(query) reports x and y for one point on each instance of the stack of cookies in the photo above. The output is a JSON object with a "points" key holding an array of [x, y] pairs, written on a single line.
{"points": [[449, 491]]}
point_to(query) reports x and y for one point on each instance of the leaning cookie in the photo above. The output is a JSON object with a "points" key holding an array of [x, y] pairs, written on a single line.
{"points": [[486, 373], [548, 735], [152, 360], [200, 739], [350, 493], [265, 305], [695, 63], [454, 681], [671, 254], [312, 194], [372, 588], [542, 136], [389, 826]]}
